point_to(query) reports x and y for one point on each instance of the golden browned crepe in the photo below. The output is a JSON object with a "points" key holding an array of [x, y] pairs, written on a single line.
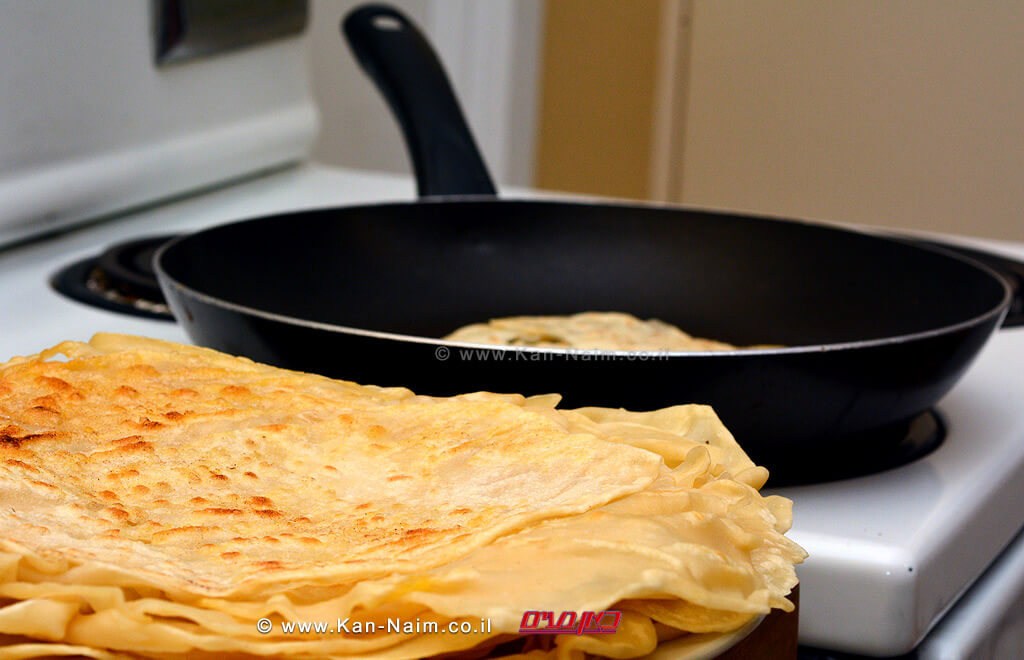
{"points": [[160, 499], [611, 331]]}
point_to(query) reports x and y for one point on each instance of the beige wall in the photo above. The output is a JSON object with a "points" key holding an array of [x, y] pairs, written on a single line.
{"points": [[905, 114], [597, 96], [901, 114]]}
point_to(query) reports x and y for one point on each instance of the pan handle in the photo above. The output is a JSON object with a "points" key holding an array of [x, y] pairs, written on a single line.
{"points": [[407, 72]]}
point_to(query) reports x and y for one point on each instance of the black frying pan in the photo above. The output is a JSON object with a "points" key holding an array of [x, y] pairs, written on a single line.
{"points": [[876, 330]]}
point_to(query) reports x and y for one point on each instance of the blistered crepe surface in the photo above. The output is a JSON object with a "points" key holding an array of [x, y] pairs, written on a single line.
{"points": [[209, 473], [613, 331], [673, 531]]}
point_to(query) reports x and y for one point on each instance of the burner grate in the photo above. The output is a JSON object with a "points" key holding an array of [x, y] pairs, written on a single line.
{"points": [[121, 279]]}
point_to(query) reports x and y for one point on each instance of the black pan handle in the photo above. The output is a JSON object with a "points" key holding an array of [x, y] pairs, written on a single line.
{"points": [[1009, 269], [398, 58]]}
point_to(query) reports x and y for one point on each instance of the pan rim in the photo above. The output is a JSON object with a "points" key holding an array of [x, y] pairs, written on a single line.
{"points": [[997, 311]]}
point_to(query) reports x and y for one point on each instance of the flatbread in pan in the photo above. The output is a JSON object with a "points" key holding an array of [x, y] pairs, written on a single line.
{"points": [[610, 331]]}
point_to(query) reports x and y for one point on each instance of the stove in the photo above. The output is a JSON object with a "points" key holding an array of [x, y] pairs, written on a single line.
{"points": [[36, 315], [890, 553], [924, 557]]}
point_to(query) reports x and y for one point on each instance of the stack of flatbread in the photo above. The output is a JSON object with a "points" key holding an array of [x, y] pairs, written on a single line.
{"points": [[166, 501]]}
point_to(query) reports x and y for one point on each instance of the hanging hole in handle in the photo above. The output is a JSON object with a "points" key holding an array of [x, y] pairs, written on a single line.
{"points": [[387, 23]]}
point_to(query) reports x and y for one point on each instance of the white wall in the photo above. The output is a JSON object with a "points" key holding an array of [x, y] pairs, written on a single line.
{"points": [[491, 52], [905, 114]]}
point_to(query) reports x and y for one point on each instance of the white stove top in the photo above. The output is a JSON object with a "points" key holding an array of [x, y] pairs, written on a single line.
{"points": [[35, 316], [889, 553]]}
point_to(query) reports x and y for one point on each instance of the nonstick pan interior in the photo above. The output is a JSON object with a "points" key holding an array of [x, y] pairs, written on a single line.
{"points": [[427, 268]]}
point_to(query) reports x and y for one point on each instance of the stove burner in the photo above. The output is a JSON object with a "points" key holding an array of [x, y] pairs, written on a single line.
{"points": [[861, 455], [121, 279]]}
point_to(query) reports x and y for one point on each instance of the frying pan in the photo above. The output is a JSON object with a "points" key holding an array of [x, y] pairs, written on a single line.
{"points": [[875, 330]]}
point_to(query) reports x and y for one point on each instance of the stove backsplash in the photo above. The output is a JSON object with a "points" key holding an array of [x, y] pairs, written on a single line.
{"points": [[91, 123]]}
